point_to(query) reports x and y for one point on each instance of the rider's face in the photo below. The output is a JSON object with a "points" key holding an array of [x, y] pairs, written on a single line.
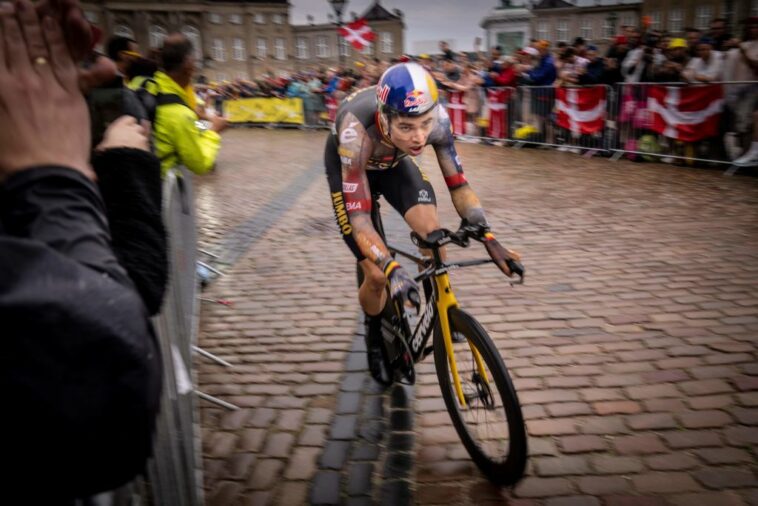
{"points": [[409, 134]]}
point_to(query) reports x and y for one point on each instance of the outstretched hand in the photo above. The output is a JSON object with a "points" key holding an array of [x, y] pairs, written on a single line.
{"points": [[45, 117], [504, 258]]}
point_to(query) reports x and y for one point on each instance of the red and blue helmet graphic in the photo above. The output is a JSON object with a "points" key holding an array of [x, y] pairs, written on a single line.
{"points": [[407, 88]]}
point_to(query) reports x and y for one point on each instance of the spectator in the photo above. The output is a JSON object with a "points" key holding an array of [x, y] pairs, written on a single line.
{"points": [[693, 35], [742, 99], [469, 83], [572, 66], [508, 74], [544, 73], [613, 60], [178, 140], [639, 63], [123, 51], [580, 46], [447, 53], [670, 70], [708, 65], [80, 364], [594, 70], [721, 38]]}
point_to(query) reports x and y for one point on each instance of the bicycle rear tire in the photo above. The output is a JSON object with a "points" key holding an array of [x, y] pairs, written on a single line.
{"points": [[508, 466]]}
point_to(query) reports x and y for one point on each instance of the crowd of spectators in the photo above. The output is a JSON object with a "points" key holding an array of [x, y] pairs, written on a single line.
{"points": [[636, 55]]}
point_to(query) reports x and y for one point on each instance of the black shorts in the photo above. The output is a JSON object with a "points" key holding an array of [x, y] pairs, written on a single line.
{"points": [[403, 186]]}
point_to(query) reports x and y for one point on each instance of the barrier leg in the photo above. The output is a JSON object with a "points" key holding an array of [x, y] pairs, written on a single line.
{"points": [[217, 401]]}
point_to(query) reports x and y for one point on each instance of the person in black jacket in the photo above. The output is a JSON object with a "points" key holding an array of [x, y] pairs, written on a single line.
{"points": [[80, 368]]}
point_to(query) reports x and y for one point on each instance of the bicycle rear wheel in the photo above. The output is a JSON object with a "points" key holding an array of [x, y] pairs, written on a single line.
{"points": [[490, 425]]}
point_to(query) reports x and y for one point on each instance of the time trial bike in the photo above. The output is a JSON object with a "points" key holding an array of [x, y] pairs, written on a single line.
{"points": [[477, 389]]}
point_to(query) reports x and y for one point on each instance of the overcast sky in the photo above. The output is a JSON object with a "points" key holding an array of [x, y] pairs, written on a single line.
{"points": [[424, 19]]}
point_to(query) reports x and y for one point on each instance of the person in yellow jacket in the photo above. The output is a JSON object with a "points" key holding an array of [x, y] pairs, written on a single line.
{"points": [[178, 138]]}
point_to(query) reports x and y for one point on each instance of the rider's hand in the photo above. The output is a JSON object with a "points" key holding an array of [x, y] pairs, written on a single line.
{"points": [[402, 286], [499, 254]]}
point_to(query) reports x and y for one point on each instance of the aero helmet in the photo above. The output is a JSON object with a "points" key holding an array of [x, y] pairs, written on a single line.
{"points": [[406, 88]]}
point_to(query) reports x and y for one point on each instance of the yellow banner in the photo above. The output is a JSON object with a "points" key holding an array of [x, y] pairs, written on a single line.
{"points": [[265, 110]]}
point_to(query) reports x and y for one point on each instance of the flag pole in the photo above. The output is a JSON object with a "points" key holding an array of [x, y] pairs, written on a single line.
{"points": [[339, 6]]}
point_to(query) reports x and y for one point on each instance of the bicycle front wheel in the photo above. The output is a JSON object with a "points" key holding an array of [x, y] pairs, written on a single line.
{"points": [[490, 424]]}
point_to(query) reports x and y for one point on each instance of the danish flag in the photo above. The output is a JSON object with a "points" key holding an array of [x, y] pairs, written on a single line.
{"points": [[357, 33], [687, 114], [581, 110]]}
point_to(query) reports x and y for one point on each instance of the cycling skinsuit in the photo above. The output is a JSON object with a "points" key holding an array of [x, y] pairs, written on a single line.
{"points": [[361, 159]]}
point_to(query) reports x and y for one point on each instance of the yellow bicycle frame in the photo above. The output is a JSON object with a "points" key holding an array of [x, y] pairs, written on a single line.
{"points": [[445, 300]]}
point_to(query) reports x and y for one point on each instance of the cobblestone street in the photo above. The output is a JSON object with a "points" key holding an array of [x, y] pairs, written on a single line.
{"points": [[632, 345]]}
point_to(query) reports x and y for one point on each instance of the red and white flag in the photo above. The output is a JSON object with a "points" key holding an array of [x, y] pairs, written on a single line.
{"points": [[456, 109], [497, 103], [686, 114], [357, 33], [581, 110]]}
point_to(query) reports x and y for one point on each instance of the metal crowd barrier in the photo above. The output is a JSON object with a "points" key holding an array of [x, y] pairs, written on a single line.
{"points": [[689, 122], [174, 473], [576, 118]]}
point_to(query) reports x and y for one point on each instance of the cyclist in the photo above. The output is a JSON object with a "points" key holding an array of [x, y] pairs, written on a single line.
{"points": [[375, 130]]}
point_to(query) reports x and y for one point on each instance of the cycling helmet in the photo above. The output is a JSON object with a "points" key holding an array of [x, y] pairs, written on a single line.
{"points": [[407, 89]]}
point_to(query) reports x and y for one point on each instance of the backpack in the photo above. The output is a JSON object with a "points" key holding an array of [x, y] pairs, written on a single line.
{"points": [[151, 101]]}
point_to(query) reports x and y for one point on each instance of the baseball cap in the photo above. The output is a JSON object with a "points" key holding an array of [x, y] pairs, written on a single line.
{"points": [[677, 43]]}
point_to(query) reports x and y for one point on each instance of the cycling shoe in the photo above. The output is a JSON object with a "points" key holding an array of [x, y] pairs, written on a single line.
{"points": [[377, 365]]}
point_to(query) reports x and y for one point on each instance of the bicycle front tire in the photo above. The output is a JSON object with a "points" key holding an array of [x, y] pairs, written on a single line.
{"points": [[499, 450]]}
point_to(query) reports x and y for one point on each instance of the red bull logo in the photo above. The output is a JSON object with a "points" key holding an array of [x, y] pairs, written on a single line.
{"points": [[415, 98]]}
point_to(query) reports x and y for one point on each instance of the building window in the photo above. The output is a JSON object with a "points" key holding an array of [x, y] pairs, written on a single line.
{"points": [[238, 49], [607, 29], [277, 19], [220, 76], [193, 35], [385, 39], [542, 31], [703, 17], [322, 47], [629, 19], [279, 51], [217, 50], [241, 74], [215, 18], [92, 16], [259, 18], [344, 47], [261, 48], [123, 31], [368, 49], [586, 30], [561, 32], [235, 19], [301, 48], [157, 34], [655, 20], [675, 20]]}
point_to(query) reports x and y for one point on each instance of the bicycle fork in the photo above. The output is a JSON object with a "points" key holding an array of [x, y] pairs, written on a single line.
{"points": [[445, 300]]}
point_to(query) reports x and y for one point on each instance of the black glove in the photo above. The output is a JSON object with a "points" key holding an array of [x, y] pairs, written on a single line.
{"points": [[505, 259], [402, 287]]}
